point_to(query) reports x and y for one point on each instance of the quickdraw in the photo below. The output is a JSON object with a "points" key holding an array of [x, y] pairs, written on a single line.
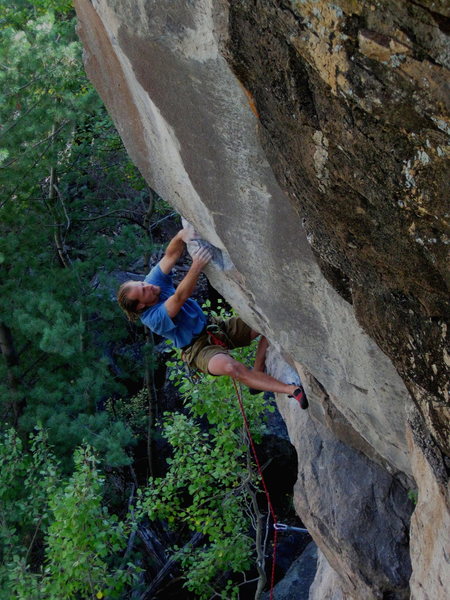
{"points": [[283, 527]]}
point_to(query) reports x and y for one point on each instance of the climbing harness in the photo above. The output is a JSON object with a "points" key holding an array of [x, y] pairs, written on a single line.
{"points": [[215, 341], [213, 330]]}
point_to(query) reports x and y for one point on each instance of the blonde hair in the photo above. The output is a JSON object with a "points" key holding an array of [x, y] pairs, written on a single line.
{"points": [[128, 306]]}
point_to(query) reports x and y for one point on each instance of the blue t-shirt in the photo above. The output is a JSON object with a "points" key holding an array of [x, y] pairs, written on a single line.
{"points": [[188, 322]]}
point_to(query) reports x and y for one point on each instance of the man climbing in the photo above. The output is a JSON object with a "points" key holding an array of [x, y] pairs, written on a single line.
{"points": [[173, 314]]}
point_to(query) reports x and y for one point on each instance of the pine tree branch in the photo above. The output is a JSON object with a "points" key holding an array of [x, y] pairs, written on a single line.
{"points": [[25, 85], [19, 119], [48, 139], [12, 194], [36, 362]]}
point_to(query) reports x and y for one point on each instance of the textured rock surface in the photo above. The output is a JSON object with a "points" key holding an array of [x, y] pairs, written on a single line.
{"points": [[297, 581], [317, 169], [430, 524], [355, 511], [353, 102], [327, 584]]}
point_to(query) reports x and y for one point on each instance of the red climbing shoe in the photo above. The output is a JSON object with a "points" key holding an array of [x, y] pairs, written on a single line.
{"points": [[300, 396]]}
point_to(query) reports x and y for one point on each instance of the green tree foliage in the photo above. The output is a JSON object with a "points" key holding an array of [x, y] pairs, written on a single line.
{"points": [[57, 539], [43, 88], [72, 209], [26, 480], [83, 538], [209, 486]]}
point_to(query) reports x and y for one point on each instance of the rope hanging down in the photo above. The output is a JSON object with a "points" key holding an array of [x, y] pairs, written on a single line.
{"points": [[269, 502]]}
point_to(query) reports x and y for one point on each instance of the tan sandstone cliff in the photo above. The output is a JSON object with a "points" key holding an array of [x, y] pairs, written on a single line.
{"points": [[308, 142]]}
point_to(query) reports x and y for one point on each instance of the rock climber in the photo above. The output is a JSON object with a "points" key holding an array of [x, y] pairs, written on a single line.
{"points": [[205, 342]]}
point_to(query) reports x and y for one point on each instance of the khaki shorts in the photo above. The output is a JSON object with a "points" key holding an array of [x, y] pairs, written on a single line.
{"points": [[234, 332]]}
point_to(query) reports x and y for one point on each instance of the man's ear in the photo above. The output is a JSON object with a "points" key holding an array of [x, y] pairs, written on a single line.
{"points": [[140, 306]]}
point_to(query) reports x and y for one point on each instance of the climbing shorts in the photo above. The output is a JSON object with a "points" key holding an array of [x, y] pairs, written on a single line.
{"points": [[233, 332]]}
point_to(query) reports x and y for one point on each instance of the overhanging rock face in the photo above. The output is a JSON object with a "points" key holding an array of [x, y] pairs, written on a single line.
{"points": [[221, 103]]}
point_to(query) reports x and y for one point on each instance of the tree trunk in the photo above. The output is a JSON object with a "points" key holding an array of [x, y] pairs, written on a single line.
{"points": [[149, 381], [146, 224], [11, 357], [260, 531], [63, 257]]}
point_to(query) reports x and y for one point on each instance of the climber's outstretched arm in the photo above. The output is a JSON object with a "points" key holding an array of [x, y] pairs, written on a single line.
{"points": [[200, 258]]}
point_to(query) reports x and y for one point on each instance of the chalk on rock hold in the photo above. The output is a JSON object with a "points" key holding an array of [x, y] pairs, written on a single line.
{"points": [[193, 235], [196, 241]]}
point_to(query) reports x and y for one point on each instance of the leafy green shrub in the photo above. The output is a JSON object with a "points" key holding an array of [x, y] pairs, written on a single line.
{"points": [[208, 486], [57, 540], [84, 540], [26, 480], [132, 411], [413, 495]]}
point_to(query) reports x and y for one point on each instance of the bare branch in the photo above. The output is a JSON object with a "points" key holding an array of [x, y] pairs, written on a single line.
{"points": [[259, 541], [133, 533], [38, 526], [61, 199], [170, 564], [247, 581], [108, 214]]}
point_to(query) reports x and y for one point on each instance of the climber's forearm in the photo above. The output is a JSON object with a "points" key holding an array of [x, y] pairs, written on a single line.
{"points": [[187, 285], [183, 292], [173, 252], [185, 288]]}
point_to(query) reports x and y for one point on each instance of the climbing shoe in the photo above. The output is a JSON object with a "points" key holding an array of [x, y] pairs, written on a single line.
{"points": [[253, 392], [300, 396]]}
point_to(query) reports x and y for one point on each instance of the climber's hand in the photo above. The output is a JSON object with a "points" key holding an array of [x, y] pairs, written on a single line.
{"points": [[201, 257]]}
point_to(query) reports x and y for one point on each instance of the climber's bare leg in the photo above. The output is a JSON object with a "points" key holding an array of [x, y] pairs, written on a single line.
{"points": [[224, 364], [260, 358]]}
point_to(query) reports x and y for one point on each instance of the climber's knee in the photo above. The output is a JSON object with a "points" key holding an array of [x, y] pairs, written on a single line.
{"points": [[224, 364]]}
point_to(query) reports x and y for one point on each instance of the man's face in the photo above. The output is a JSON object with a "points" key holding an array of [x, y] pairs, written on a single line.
{"points": [[145, 293]]}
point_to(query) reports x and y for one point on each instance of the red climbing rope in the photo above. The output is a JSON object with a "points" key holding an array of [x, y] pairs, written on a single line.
{"points": [[269, 502]]}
